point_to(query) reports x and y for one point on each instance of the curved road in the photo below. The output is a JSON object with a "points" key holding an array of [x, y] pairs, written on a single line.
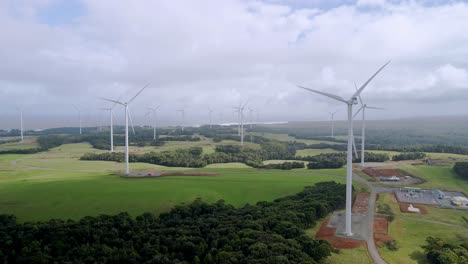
{"points": [[369, 236]]}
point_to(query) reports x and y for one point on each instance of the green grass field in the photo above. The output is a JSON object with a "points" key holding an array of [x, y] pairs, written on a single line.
{"points": [[438, 178], [410, 231], [313, 152], [56, 184], [286, 138], [29, 143]]}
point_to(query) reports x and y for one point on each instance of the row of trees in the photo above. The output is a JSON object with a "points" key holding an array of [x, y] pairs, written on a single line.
{"points": [[338, 160], [439, 251], [409, 156], [268, 232], [284, 166]]}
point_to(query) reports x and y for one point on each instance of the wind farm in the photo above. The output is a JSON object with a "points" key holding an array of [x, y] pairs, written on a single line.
{"points": [[228, 141]]}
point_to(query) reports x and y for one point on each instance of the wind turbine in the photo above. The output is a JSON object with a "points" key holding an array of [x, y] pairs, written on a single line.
{"points": [[238, 119], [251, 116], [210, 111], [332, 115], [349, 166], [154, 110], [363, 136], [79, 114], [182, 111], [127, 113], [20, 109], [240, 110], [111, 116]]}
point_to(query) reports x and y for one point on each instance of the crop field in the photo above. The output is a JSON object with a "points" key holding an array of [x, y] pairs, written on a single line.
{"points": [[411, 230], [56, 184], [29, 143]]}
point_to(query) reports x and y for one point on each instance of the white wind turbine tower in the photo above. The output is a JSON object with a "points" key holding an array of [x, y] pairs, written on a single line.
{"points": [[349, 166], [238, 119], [154, 110], [20, 109], [363, 136], [210, 112], [332, 115], [240, 110], [251, 117], [79, 114], [182, 111], [127, 113], [111, 116]]}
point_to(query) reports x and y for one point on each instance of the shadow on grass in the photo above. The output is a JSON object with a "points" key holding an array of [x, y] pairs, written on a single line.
{"points": [[419, 257]]}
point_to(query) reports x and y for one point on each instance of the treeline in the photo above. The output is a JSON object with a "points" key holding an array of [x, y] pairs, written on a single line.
{"points": [[268, 232], [284, 166], [44, 142], [338, 160], [439, 251], [193, 157], [461, 169], [409, 156], [178, 158]]}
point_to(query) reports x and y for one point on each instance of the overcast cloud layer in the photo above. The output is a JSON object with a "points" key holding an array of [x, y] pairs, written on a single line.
{"points": [[211, 53]]}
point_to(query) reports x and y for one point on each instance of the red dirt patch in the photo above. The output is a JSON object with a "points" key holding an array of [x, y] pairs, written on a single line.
{"points": [[381, 230], [404, 208], [361, 204], [328, 234]]}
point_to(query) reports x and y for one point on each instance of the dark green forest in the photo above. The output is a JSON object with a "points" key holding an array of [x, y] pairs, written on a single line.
{"points": [[439, 251], [267, 232]]}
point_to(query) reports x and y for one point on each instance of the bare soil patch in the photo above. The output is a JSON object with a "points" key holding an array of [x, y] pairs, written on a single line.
{"points": [[361, 203], [380, 230], [154, 174], [404, 208], [328, 234]]}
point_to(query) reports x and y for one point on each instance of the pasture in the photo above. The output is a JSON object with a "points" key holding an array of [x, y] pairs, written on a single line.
{"points": [[56, 184]]}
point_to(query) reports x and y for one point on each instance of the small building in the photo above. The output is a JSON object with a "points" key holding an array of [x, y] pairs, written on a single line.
{"points": [[439, 194], [460, 201], [393, 178]]}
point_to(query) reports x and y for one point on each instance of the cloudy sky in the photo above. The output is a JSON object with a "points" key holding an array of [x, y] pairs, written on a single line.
{"points": [[211, 53]]}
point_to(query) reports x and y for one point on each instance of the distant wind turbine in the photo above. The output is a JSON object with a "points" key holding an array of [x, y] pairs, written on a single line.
{"points": [[79, 115], [363, 136], [127, 114], [111, 116], [154, 111], [20, 109], [332, 115], [210, 112], [240, 110], [182, 111], [251, 117], [349, 166]]}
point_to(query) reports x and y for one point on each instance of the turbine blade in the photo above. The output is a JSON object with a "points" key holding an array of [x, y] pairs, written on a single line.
{"points": [[144, 87], [336, 97], [370, 79], [358, 112], [118, 99], [110, 100], [373, 107], [354, 147], [131, 120]]}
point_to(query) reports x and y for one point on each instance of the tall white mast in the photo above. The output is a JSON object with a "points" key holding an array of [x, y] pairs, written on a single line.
{"points": [[349, 164]]}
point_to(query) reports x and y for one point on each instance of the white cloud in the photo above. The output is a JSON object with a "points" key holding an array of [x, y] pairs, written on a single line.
{"points": [[216, 53]]}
